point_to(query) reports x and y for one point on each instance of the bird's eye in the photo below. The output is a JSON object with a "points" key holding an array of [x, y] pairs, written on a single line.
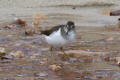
{"points": [[72, 26]]}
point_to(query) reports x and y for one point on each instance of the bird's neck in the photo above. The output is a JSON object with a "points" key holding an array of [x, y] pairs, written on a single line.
{"points": [[64, 33]]}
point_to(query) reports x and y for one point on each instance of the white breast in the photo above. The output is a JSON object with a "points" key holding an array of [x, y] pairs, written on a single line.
{"points": [[72, 36], [56, 39]]}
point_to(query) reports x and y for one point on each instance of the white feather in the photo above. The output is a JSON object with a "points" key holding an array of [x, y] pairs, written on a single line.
{"points": [[57, 40], [72, 36]]}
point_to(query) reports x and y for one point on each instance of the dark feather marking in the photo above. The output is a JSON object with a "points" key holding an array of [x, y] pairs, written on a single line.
{"points": [[50, 31]]}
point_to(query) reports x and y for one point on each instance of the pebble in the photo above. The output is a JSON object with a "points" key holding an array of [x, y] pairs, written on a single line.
{"points": [[55, 67], [34, 56], [2, 50], [41, 74], [79, 53], [110, 39], [117, 59], [17, 54]]}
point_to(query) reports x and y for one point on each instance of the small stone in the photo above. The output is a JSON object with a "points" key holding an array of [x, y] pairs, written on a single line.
{"points": [[19, 22], [7, 27], [41, 74], [17, 54], [79, 53], [110, 39], [88, 60], [34, 56], [115, 13], [107, 58], [43, 61], [54, 67], [2, 50], [117, 59], [106, 12], [72, 60]]}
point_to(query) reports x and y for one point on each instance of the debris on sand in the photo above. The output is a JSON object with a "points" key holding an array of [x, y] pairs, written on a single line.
{"points": [[20, 22], [117, 59], [37, 18], [8, 26], [118, 24], [4, 56], [55, 67], [79, 53], [34, 56], [17, 54], [41, 75], [28, 32], [115, 13], [110, 39], [2, 52], [106, 12]]}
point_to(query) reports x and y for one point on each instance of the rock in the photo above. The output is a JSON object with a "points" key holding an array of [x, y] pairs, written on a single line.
{"points": [[34, 56], [74, 8], [17, 54], [110, 39], [55, 67], [7, 27], [115, 13], [41, 74], [43, 61], [118, 19], [106, 12], [79, 53], [71, 60], [2, 52], [28, 33], [37, 18], [88, 60], [117, 59], [19, 22], [107, 58], [4, 57]]}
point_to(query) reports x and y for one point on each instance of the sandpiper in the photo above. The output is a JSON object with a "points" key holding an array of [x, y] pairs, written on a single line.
{"points": [[61, 35]]}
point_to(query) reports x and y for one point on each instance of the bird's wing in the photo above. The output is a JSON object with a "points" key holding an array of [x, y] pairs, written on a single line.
{"points": [[50, 31]]}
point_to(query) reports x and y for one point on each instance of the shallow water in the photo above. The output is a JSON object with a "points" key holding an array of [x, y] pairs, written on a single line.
{"points": [[84, 68], [90, 22]]}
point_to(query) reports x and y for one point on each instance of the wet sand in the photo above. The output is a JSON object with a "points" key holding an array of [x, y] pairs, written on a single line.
{"points": [[91, 25]]}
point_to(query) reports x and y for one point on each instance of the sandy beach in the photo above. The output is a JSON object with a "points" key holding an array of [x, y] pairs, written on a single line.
{"points": [[94, 56], [86, 13]]}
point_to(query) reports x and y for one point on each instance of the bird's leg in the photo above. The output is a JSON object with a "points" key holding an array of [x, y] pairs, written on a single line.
{"points": [[53, 57], [51, 50]]}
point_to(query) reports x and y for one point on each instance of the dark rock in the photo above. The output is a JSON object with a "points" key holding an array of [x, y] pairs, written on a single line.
{"points": [[115, 13]]}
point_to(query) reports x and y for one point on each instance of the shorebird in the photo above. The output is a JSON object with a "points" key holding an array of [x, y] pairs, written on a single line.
{"points": [[60, 36]]}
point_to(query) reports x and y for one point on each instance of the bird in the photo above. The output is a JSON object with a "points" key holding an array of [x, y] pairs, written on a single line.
{"points": [[60, 35]]}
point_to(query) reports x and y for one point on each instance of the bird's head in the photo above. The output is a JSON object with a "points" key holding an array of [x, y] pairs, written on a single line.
{"points": [[70, 26]]}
